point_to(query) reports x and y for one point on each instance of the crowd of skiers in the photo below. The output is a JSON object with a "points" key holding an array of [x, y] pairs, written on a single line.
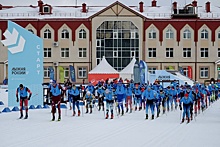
{"points": [[127, 97]]}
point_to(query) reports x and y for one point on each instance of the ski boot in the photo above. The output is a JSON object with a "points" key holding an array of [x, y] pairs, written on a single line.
{"points": [[78, 112], [131, 110], [122, 113], [135, 108], [188, 121], [26, 116], [175, 107], [91, 111], [152, 117], [87, 110], [59, 118], [182, 120], [53, 117], [112, 116], [140, 108], [191, 117], [74, 113], [21, 116], [146, 116], [158, 113], [127, 110], [106, 117]]}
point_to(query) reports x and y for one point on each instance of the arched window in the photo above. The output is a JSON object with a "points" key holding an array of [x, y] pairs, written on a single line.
{"points": [[47, 34], [30, 30], [152, 34], [65, 34], [169, 34], [187, 34], [82, 34], [204, 34]]}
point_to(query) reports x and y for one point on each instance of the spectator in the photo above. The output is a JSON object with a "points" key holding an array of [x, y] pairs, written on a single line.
{"points": [[5, 81]]}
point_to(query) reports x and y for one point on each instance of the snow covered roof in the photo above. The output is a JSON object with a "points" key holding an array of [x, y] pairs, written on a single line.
{"points": [[103, 68], [72, 8], [129, 68]]}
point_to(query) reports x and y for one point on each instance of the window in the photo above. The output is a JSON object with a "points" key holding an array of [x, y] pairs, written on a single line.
{"points": [[98, 60], [65, 34], [132, 53], [187, 34], [152, 34], [219, 52], [82, 34], [98, 43], [204, 72], [115, 54], [118, 41], [46, 72], [46, 9], [66, 72], [185, 71], [115, 35], [169, 34], [152, 70], [204, 52], [47, 52], [47, 34], [64, 52], [151, 52], [186, 52], [133, 35], [218, 35], [82, 72], [204, 34], [169, 52], [82, 52], [30, 30]]}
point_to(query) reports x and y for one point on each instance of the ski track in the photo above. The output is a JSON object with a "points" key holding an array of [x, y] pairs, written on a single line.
{"points": [[94, 130]]}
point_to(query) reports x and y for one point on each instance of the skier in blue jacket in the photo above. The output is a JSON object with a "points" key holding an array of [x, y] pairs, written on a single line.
{"points": [[109, 103], [186, 100], [137, 96], [120, 92], [89, 97], [100, 95], [151, 97], [74, 93], [161, 97]]}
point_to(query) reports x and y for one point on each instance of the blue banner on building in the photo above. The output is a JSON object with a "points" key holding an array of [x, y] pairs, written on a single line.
{"points": [[146, 73], [25, 63], [142, 72], [136, 71], [51, 71], [72, 73]]}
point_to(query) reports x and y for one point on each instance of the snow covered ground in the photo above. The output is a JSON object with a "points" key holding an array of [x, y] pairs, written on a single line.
{"points": [[130, 130]]}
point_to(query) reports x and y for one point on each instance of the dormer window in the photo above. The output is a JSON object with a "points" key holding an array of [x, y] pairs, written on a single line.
{"points": [[46, 9]]}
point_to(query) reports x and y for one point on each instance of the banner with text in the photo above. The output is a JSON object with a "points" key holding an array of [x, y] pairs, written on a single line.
{"points": [[25, 63]]}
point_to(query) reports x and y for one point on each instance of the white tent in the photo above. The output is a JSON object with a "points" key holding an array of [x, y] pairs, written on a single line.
{"points": [[102, 71], [127, 72], [103, 67]]}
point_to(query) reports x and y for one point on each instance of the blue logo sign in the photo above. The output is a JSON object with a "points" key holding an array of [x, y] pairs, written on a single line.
{"points": [[25, 63]]}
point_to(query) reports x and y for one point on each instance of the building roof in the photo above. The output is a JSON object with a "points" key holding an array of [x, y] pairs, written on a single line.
{"points": [[103, 68], [72, 8]]}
